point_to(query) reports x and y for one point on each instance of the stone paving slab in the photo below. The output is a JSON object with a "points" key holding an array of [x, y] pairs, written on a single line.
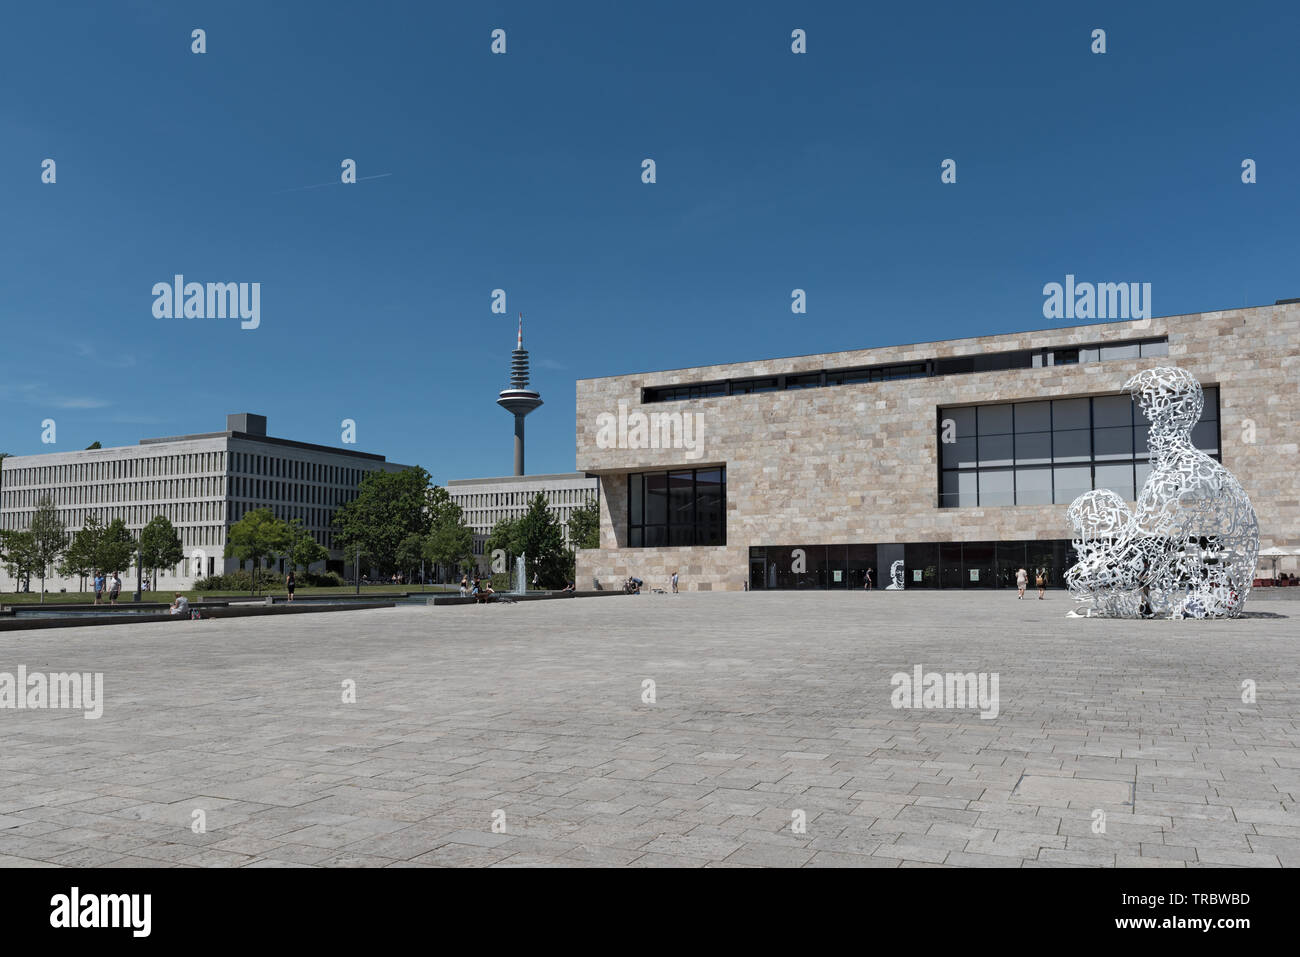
{"points": [[527, 735]]}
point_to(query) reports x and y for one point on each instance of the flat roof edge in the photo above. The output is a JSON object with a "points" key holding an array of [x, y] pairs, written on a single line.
{"points": [[1136, 325]]}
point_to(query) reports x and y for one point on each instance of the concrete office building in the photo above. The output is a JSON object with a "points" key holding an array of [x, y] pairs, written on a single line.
{"points": [[487, 501], [804, 472], [202, 483]]}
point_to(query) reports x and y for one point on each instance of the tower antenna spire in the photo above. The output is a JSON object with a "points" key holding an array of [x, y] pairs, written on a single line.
{"points": [[519, 399]]}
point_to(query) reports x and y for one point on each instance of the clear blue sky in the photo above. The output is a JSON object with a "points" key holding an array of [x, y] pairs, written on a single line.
{"points": [[523, 172]]}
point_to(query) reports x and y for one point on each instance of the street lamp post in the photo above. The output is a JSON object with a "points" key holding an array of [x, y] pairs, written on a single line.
{"points": [[358, 569]]}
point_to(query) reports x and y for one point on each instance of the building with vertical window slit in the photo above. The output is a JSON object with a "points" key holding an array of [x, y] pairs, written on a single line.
{"points": [[202, 483]]}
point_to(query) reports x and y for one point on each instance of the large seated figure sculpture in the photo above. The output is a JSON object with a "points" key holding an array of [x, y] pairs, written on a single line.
{"points": [[1189, 549]]}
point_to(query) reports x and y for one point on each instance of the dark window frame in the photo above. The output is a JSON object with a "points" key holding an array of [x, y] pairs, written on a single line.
{"points": [[699, 529], [1009, 360], [1135, 459]]}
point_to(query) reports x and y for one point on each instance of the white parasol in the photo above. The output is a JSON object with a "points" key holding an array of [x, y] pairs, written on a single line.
{"points": [[1275, 553]]}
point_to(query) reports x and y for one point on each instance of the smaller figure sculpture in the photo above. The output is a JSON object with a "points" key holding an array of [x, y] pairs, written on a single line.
{"points": [[1099, 518]]}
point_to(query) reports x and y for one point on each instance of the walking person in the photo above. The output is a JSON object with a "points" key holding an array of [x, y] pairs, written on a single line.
{"points": [[867, 583], [99, 587], [114, 589], [1022, 581], [535, 580], [290, 583], [1041, 582], [674, 583]]}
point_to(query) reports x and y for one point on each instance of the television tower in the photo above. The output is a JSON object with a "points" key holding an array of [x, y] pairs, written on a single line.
{"points": [[519, 400]]}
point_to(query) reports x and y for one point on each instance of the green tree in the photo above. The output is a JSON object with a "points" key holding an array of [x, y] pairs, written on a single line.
{"points": [[18, 552], [116, 548], [584, 525], [49, 538], [389, 507], [304, 550], [160, 546], [83, 551], [256, 537], [94, 445], [538, 536], [501, 538], [450, 541], [449, 544], [409, 554], [439, 505]]}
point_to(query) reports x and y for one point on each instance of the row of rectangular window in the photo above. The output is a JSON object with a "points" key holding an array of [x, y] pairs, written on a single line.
{"points": [[191, 529], [1056, 415], [1072, 446], [554, 497], [185, 464], [181, 514], [174, 489], [114, 469], [1051, 485], [1051, 451], [134, 491], [290, 492], [300, 469], [929, 368]]}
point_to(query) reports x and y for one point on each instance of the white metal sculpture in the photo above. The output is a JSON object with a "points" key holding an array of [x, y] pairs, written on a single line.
{"points": [[1189, 549], [895, 576]]}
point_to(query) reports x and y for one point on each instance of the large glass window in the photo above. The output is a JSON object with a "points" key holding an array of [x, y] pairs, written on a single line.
{"points": [[922, 564], [681, 507], [1051, 451]]}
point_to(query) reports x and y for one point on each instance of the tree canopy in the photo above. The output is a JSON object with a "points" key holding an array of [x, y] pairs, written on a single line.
{"points": [[304, 550], [537, 535], [450, 541], [584, 525], [160, 545], [18, 552], [389, 507], [256, 537], [116, 548], [49, 538], [83, 550]]}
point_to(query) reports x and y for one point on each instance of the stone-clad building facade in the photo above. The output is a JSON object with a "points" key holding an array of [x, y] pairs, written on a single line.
{"points": [[957, 459]]}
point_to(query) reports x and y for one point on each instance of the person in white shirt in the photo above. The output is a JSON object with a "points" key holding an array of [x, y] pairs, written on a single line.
{"points": [[180, 605]]}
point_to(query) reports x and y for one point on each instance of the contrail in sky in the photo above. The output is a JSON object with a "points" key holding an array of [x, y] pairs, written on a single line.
{"points": [[297, 189]]}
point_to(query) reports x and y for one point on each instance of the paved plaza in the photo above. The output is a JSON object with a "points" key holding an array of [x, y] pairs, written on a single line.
{"points": [[522, 734]]}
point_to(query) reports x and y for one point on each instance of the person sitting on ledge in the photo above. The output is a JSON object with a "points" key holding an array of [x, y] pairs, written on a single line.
{"points": [[180, 605]]}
